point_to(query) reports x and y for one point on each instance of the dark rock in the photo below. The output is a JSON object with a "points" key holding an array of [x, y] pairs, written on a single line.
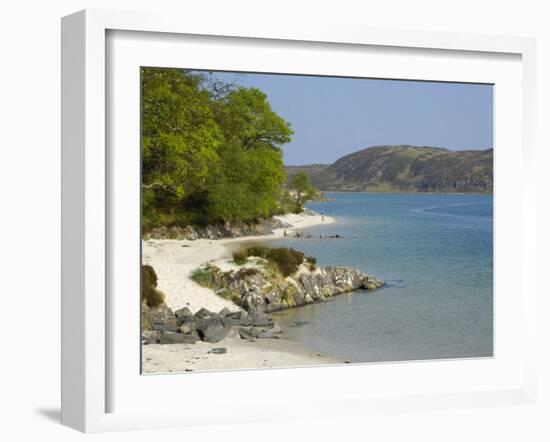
{"points": [[169, 337], [224, 312], [237, 318], [243, 317], [248, 333], [232, 333], [230, 322], [150, 337], [180, 320], [203, 313], [170, 325], [183, 312], [260, 319], [211, 329], [268, 334], [187, 325], [218, 351], [159, 314]]}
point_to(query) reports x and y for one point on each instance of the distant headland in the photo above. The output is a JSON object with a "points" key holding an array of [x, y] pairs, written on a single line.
{"points": [[404, 168]]}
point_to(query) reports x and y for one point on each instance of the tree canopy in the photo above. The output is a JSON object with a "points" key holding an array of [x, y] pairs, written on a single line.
{"points": [[210, 151]]}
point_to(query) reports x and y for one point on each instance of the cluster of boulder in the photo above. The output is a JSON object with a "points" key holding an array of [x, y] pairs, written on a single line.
{"points": [[162, 326], [217, 230], [256, 289]]}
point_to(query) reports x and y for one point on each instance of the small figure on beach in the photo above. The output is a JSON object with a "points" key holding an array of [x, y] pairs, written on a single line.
{"points": [[323, 216], [284, 233]]}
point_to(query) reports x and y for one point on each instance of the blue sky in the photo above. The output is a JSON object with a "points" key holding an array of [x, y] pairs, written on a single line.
{"points": [[332, 117]]}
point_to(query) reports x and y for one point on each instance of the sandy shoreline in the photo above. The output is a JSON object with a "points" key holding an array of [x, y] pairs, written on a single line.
{"points": [[174, 261], [239, 354]]}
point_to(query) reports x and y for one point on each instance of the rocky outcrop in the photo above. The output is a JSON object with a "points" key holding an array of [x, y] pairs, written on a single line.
{"points": [[217, 231], [260, 289]]}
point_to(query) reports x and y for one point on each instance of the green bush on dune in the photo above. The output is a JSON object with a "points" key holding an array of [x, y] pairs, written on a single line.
{"points": [[149, 293], [285, 259]]}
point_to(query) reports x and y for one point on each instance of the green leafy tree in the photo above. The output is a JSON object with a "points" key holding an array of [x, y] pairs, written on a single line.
{"points": [[251, 175], [180, 137], [211, 151], [246, 118], [247, 185], [303, 190]]}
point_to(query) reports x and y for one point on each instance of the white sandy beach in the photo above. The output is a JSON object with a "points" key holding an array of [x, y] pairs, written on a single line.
{"points": [[175, 260], [240, 354]]}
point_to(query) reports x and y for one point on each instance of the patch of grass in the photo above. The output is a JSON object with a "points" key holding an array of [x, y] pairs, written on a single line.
{"points": [[204, 276], [240, 257], [286, 260], [243, 273], [312, 261], [149, 292], [230, 295], [285, 296], [259, 251]]}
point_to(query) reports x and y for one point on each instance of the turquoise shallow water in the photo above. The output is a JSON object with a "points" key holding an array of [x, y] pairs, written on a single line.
{"points": [[435, 253]]}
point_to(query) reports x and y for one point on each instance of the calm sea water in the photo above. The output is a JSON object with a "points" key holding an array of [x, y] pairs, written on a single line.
{"points": [[435, 253]]}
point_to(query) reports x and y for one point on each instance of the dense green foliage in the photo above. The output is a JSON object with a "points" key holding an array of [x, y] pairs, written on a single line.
{"points": [[403, 168], [211, 152], [149, 293], [286, 260]]}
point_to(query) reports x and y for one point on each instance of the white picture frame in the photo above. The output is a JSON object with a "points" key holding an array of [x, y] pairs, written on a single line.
{"points": [[86, 207]]}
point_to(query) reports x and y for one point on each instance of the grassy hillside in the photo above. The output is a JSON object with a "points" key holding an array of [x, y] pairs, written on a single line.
{"points": [[404, 169]]}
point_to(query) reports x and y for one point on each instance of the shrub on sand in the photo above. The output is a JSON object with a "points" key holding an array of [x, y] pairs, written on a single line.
{"points": [[240, 257], [312, 261], [286, 259], [204, 277], [149, 292]]}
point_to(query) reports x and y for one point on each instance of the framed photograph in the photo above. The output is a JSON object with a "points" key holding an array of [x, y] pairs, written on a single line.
{"points": [[293, 221]]}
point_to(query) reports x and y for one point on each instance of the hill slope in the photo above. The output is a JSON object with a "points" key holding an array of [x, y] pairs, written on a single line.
{"points": [[404, 169]]}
